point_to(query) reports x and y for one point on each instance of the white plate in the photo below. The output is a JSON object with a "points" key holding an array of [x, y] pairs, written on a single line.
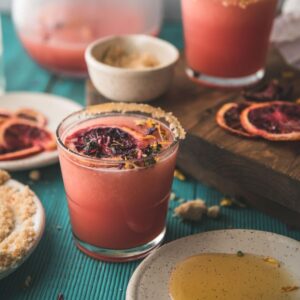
{"points": [[150, 280], [39, 226], [55, 108]]}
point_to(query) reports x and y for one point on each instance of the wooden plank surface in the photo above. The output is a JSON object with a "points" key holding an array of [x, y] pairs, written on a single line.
{"points": [[266, 174]]}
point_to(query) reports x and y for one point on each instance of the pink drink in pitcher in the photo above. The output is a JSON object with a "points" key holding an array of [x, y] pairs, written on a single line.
{"points": [[56, 33]]}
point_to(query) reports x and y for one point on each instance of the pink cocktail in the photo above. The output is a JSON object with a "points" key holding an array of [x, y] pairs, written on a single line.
{"points": [[118, 170], [55, 34], [226, 41]]}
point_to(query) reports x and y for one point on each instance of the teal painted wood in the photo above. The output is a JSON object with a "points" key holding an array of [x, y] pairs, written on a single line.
{"points": [[20, 71], [57, 266]]}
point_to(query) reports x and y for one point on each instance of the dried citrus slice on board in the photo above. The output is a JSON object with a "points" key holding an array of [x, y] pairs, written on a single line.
{"points": [[228, 117], [270, 91], [32, 115], [276, 121], [17, 134]]}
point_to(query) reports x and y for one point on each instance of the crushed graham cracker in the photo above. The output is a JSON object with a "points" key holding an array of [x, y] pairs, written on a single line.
{"points": [[117, 56], [35, 175], [17, 225], [192, 210], [213, 211], [4, 176]]}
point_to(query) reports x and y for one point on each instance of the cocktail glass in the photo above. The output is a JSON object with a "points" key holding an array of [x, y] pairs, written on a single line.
{"points": [[226, 41], [117, 214]]}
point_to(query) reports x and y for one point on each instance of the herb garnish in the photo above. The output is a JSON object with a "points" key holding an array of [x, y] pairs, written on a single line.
{"points": [[109, 142]]}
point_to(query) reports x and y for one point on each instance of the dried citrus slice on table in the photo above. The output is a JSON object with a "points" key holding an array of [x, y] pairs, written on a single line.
{"points": [[275, 121]]}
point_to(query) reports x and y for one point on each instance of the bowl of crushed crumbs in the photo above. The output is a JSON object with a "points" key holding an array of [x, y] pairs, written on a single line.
{"points": [[132, 68], [22, 222]]}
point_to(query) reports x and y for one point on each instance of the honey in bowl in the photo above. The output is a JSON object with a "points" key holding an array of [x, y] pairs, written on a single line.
{"points": [[233, 277]]}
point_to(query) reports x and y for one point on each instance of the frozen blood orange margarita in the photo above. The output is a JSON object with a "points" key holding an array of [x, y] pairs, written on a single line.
{"points": [[226, 41], [117, 162]]}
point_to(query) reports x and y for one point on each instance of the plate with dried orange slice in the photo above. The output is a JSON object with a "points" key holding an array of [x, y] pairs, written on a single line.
{"points": [[22, 222], [27, 125], [221, 264]]}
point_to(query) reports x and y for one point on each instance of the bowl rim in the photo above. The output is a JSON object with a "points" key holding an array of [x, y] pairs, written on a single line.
{"points": [[92, 61]]}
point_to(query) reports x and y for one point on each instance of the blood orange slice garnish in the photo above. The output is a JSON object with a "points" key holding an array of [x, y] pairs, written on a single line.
{"points": [[132, 145], [102, 142], [32, 115], [228, 117], [276, 121], [17, 134]]}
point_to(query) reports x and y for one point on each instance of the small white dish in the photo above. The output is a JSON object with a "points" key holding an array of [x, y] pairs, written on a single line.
{"points": [[132, 85], [55, 108], [39, 226], [150, 280]]}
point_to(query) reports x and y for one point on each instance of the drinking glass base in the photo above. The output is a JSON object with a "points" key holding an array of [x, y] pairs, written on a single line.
{"points": [[222, 82], [122, 255]]}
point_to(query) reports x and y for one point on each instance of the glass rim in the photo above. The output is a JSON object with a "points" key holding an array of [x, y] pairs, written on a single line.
{"points": [[102, 161]]}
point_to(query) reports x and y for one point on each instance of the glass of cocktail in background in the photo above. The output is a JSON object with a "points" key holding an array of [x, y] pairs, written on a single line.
{"points": [[226, 41], [117, 162]]}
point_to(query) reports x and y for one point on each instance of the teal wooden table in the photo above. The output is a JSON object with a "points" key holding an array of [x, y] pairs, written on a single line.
{"points": [[57, 266]]}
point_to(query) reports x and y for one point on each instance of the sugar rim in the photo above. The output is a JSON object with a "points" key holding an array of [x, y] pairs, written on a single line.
{"points": [[122, 108], [154, 112]]}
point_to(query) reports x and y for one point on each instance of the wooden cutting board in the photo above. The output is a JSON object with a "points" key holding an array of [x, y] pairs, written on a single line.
{"points": [[265, 174]]}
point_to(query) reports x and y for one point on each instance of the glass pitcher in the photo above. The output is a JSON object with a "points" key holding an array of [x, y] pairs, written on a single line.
{"points": [[55, 33]]}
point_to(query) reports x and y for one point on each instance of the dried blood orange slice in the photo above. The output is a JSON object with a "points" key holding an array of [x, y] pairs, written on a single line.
{"points": [[17, 134], [32, 115], [4, 115], [18, 154], [277, 120], [228, 117], [270, 91]]}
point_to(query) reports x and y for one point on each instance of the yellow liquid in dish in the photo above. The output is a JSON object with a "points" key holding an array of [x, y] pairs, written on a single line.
{"points": [[230, 277]]}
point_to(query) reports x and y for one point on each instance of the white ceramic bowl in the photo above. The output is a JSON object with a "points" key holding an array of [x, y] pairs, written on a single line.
{"points": [[132, 85], [151, 279]]}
